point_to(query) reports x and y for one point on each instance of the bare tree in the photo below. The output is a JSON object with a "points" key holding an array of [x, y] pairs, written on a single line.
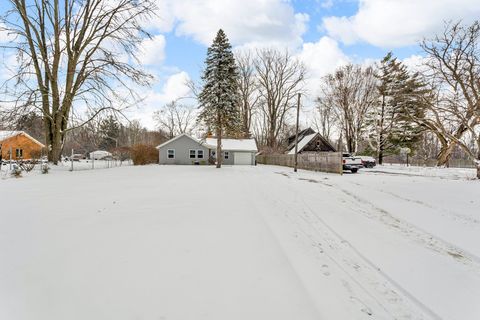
{"points": [[280, 79], [71, 53], [350, 91], [175, 119], [325, 119], [453, 67], [248, 87]]}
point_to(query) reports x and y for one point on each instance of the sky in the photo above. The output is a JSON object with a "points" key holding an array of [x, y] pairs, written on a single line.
{"points": [[324, 34]]}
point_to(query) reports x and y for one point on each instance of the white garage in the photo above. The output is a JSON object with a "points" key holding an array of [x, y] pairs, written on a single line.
{"points": [[242, 158], [235, 151]]}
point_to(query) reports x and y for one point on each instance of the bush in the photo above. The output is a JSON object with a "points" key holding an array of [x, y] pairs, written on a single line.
{"points": [[143, 154], [16, 171], [45, 168]]}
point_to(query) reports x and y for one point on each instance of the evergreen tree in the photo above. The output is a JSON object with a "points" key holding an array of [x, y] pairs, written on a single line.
{"points": [[219, 96], [389, 119], [109, 131]]}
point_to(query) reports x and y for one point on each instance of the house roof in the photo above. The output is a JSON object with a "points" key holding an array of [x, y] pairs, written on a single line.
{"points": [[302, 143], [301, 134], [7, 134], [227, 144], [234, 144], [306, 140], [176, 138]]}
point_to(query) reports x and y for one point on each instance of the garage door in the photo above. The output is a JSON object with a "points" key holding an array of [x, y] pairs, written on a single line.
{"points": [[242, 158]]}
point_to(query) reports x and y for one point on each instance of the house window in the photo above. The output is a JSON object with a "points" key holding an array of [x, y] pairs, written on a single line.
{"points": [[192, 154], [225, 155], [200, 154], [171, 154], [19, 153]]}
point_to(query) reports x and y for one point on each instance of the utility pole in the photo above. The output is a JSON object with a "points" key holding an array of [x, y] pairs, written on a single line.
{"points": [[296, 135]]}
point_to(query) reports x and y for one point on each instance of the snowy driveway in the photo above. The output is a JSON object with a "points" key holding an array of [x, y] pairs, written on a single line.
{"points": [[164, 242]]}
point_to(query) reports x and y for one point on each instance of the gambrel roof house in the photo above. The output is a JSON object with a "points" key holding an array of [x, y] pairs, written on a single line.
{"points": [[23, 145], [185, 149], [309, 141]]}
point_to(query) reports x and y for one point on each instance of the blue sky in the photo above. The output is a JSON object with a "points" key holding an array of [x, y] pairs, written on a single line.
{"points": [[324, 34]]}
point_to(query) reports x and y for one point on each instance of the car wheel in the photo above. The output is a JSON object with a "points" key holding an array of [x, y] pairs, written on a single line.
{"points": [[354, 170]]}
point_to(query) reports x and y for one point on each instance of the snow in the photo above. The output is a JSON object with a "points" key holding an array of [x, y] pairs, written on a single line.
{"points": [[99, 154], [142, 243], [5, 134], [302, 143], [434, 172], [67, 166], [234, 144]]}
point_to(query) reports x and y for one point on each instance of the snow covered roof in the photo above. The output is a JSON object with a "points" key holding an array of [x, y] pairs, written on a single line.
{"points": [[177, 137], [6, 134], [234, 144], [100, 153], [302, 143], [227, 144]]}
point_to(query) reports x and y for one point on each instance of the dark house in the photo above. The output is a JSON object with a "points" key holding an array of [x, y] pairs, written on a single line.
{"points": [[309, 141]]}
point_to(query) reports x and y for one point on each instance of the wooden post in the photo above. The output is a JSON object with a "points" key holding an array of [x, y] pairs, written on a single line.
{"points": [[296, 135], [71, 160]]}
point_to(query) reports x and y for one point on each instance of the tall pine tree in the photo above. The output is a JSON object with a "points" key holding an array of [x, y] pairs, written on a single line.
{"points": [[219, 96], [398, 92]]}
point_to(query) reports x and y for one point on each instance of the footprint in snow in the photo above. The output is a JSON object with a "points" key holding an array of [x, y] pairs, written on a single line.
{"points": [[364, 307], [325, 270]]}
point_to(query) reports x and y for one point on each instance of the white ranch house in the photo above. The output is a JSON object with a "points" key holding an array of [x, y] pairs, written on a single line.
{"points": [[187, 150]]}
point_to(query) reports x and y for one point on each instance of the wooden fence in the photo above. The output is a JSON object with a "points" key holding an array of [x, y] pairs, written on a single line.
{"points": [[417, 161], [316, 161]]}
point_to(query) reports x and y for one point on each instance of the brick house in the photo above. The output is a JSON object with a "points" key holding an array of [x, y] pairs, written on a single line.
{"points": [[23, 145]]}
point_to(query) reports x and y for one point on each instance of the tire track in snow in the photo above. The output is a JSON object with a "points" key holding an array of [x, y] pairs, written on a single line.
{"points": [[360, 272], [420, 236], [450, 214]]}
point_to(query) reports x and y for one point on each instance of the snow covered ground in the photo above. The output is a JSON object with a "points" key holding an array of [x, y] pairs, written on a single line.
{"points": [[438, 172], [185, 242], [83, 164]]}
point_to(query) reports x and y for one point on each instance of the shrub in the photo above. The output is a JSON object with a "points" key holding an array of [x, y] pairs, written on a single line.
{"points": [[143, 154], [45, 168], [16, 171]]}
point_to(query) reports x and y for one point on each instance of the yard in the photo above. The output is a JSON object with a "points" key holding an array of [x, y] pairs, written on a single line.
{"points": [[195, 242]]}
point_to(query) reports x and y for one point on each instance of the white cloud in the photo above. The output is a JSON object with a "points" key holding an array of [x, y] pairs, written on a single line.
{"points": [[320, 58], [152, 51], [327, 4], [9, 65], [395, 23], [174, 87], [244, 21], [416, 63], [5, 36]]}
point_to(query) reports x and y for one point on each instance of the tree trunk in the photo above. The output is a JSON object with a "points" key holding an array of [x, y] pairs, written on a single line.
{"points": [[380, 157], [271, 141], [219, 148], [477, 163], [445, 153], [219, 140], [54, 138]]}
